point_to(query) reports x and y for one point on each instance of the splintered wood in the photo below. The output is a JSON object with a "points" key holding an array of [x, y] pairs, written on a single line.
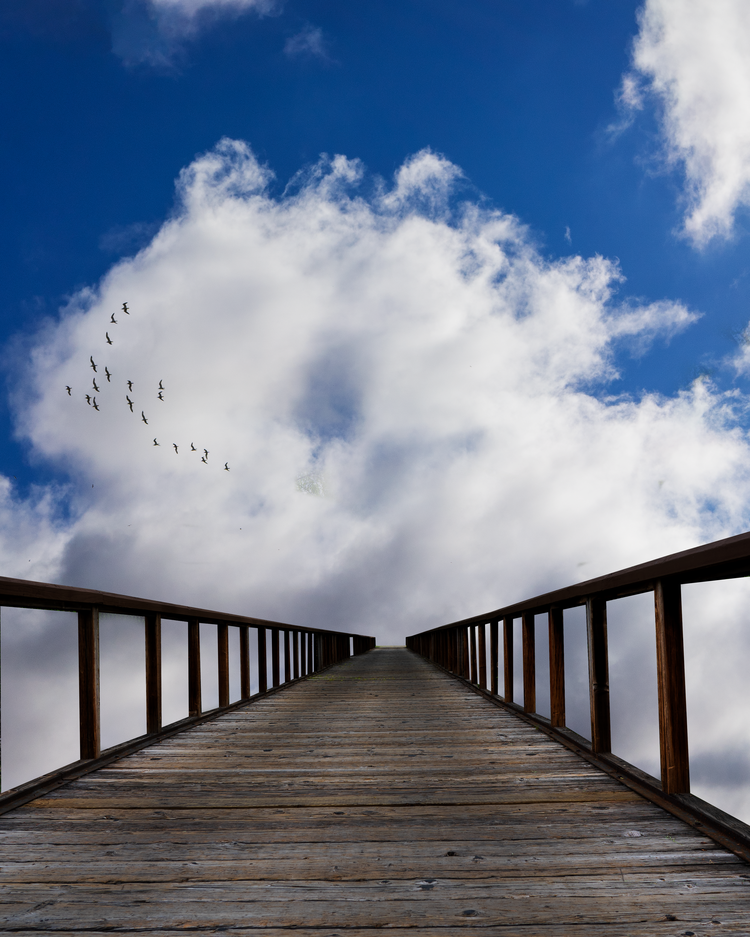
{"points": [[381, 794]]}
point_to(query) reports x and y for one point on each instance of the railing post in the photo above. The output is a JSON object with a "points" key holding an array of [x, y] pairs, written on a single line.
{"points": [[262, 661], [195, 704], [494, 656], [472, 653], [295, 654], [482, 634], [287, 656], [222, 645], [556, 667], [153, 672], [303, 654], [275, 670], [88, 683], [244, 662], [464, 632], [310, 653], [529, 663], [508, 660], [596, 626], [670, 668]]}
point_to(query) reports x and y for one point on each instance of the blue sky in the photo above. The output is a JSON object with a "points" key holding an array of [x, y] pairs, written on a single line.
{"points": [[489, 343], [519, 95]]}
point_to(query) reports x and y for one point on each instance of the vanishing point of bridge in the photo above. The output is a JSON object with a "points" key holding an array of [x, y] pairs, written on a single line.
{"points": [[379, 792]]}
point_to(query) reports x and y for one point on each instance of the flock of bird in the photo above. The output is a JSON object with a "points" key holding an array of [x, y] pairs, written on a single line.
{"points": [[92, 402]]}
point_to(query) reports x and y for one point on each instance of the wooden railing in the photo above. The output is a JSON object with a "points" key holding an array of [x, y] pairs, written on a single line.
{"points": [[461, 648], [305, 651]]}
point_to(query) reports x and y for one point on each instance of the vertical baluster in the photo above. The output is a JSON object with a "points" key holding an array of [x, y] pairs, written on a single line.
{"points": [[88, 683], [508, 659], [295, 656], [465, 665], [556, 667], [482, 681], [303, 655], [153, 672], [670, 668], [222, 645], [195, 704], [528, 638], [262, 661], [596, 626], [494, 657], [312, 661], [472, 653], [244, 662], [275, 670], [287, 657]]}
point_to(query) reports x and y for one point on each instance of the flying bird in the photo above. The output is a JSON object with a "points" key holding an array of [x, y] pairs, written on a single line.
{"points": [[130, 402], [226, 466], [192, 448], [68, 390], [91, 359], [125, 309], [205, 451], [203, 459], [88, 399], [130, 386], [96, 386], [175, 447], [108, 373], [94, 404], [161, 386], [160, 395], [144, 418], [109, 340], [113, 319], [155, 442]]}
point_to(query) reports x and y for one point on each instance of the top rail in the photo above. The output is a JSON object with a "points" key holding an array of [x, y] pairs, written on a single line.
{"points": [[722, 559]]}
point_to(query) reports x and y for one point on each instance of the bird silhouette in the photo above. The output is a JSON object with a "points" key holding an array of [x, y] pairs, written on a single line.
{"points": [[144, 418], [161, 386], [160, 395], [68, 390], [91, 359], [175, 447], [113, 319], [109, 340], [96, 386], [125, 309], [94, 404], [226, 466], [130, 386], [203, 459], [155, 442], [88, 399], [205, 451], [130, 402], [108, 373], [192, 448]]}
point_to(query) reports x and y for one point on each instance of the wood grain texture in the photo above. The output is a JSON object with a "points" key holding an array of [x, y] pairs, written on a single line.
{"points": [[381, 794]]}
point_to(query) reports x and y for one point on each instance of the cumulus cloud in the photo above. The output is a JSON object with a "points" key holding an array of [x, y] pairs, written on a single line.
{"points": [[153, 32], [412, 402], [694, 57]]}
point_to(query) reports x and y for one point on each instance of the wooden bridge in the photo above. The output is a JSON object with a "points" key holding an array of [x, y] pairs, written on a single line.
{"points": [[368, 789]]}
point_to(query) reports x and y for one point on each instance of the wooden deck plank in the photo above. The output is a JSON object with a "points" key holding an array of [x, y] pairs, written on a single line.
{"points": [[381, 794]]}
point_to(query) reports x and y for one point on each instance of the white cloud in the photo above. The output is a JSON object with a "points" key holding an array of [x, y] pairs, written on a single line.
{"points": [[694, 56], [403, 388], [309, 42], [153, 32]]}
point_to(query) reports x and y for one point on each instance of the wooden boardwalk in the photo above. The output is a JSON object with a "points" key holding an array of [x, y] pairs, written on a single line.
{"points": [[381, 794]]}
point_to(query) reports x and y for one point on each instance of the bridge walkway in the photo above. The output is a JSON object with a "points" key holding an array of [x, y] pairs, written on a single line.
{"points": [[380, 795]]}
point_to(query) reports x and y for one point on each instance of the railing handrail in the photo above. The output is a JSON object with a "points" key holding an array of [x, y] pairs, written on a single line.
{"points": [[722, 559], [26, 593]]}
